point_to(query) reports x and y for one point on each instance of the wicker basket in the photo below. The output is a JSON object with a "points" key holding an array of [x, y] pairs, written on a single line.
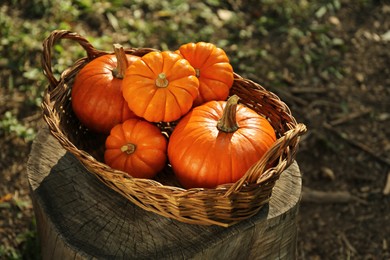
{"points": [[224, 205]]}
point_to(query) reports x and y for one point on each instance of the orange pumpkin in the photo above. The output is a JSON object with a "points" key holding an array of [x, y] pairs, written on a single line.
{"points": [[97, 98], [161, 86], [217, 143], [136, 147], [212, 68]]}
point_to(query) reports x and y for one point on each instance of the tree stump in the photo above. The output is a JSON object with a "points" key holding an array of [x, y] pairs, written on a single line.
{"points": [[79, 217]]}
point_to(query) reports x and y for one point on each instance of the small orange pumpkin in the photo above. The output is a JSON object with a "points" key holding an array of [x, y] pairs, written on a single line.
{"points": [[161, 86], [217, 142], [212, 68], [136, 147], [97, 99]]}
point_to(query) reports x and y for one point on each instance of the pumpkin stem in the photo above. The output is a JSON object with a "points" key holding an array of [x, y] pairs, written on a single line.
{"points": [[197, 73], [228, 122], [128, 148], [119, 71], [162, 81]]}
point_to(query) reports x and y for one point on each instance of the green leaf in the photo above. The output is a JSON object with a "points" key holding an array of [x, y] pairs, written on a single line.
{"points": [[321, 12]]}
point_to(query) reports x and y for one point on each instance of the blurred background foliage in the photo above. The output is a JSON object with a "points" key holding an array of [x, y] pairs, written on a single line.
{"points": [[255, 34], [274, 42]]}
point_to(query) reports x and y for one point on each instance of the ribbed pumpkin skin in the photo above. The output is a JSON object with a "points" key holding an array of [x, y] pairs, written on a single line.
{"points": [[214, 71], [150, 154], [97, 98], [156, 102], [203, 156]]}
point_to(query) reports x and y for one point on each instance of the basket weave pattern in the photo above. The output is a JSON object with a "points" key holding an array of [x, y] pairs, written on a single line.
{"points": [[224, 205]]}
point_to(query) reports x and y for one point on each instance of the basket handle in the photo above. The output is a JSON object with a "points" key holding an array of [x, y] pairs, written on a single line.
{"points": [[255, 172], [48, 45]]}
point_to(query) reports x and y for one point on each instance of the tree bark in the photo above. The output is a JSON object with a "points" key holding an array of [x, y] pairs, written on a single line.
{"points": [[78, 217]]}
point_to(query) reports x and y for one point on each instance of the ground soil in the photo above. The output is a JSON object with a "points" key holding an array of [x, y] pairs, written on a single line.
{"points": [[347, 149], [352, 155]]}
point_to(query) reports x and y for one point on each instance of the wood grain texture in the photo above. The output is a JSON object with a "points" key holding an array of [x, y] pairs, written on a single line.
{"points": [[80, 218]]}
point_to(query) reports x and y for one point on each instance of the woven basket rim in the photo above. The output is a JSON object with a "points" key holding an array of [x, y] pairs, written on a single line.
{"points": [[283, 150], [47, 105]]}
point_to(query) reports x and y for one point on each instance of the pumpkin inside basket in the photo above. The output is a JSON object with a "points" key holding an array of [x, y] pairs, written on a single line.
{"points": [[224, 205]]}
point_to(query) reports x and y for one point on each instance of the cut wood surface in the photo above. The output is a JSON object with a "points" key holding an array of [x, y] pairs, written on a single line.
{"points": [[79, 217]]}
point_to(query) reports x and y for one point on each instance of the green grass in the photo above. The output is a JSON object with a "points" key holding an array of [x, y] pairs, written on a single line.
{"points": [[250, 36], [10, 124], [29, 247]]}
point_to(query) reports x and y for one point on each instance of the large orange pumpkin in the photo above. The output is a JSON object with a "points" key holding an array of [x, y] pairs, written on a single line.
{"points": [[212, 68], [136, 147], [217, 143], [97, 98], [161, 86]]}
